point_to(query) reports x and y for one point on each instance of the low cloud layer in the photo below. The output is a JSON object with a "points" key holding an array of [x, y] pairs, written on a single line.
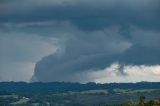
{"points": [[74, 40]]}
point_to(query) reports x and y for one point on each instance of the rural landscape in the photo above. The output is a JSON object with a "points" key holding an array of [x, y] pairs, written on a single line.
{"points": [[76, 94]]}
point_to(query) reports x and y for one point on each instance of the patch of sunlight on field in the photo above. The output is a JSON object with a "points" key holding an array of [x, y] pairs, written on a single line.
{"points": [[9, 96], [134, 91], [21, 101], [104, 91]]}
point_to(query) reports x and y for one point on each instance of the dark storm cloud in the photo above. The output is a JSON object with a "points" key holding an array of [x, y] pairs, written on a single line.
{"points": [[82, 54], [91, 34], [90, 15], [145, 49], [139, 55]]}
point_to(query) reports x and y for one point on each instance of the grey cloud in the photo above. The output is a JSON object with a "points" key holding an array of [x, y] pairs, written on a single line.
{"points": [[20, 47], [16, 71], [145, 49], [82, 52], [88, 15], [90, 34], [95, 50], [139, 55], [146, 38], [19, 52]]}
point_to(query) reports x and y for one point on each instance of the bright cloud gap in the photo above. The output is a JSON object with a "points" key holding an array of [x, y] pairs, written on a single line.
{"points": [[127, 73]]}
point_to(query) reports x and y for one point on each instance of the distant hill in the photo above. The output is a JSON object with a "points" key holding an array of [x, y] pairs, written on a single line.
{"points": [[64, 86]]}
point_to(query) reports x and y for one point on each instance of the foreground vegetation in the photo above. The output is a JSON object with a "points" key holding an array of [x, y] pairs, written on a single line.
{"points": [[140, 103]]}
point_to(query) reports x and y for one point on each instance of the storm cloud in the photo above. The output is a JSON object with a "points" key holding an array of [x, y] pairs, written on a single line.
{"points": [[87, 36]]}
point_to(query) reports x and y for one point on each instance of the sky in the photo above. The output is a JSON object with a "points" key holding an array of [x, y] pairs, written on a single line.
{"points": [[83, 41]]}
